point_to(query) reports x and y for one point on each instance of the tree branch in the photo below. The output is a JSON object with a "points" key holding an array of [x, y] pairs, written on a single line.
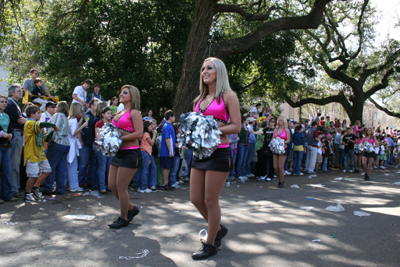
{"points": [[390, 113], [312, 100], [239, 45], [382, 85], [225, 8]]}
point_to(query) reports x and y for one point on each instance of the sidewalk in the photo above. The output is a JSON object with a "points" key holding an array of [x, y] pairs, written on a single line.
{"points": [[266, 226]]}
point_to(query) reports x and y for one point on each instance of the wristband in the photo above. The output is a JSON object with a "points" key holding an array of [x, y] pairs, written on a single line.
{"points": [[1, 133]]}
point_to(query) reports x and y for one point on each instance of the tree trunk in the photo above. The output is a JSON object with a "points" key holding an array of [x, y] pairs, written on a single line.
{"points": [[355, 112], [196, 51]]}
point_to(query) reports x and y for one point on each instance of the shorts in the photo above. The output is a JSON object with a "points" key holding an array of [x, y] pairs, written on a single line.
{"points": [[319, 158], [382, 157], [166, 162], [33, 169], [286, 152], [369, 155], [220, 160], [129, 158]]}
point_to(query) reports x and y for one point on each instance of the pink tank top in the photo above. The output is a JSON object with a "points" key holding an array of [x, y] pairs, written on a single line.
{"points": [[218, 111], [282, 136], [371, 141], [125, 122]]}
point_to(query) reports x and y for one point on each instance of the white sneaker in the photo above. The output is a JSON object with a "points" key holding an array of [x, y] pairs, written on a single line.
{"points": [[240, 177], [250, 175], [36, 193], [351, 171], [344, 170], [241, 181], [180, 182], [75, 190], [147, 190], [375, 167], [301, 173], [262, 178], [186, 179], [382, 167], [176, 185], [29, 198], [268, 179], [287, 173]]}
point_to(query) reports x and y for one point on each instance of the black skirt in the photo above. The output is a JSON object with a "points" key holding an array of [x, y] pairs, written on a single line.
{"points": [[220, 160], [369, 155], [130, 158]]}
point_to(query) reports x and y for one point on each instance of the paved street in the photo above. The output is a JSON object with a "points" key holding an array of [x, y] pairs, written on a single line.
{"points": [[266, 226]]}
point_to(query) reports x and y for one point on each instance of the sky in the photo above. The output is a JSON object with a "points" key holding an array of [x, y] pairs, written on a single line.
{"points": [[390, 15]]}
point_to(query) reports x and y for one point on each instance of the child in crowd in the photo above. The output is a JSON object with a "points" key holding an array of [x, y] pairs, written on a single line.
{"points": [[173, 175], [319, 154], [114, 105], [167, 148], [103, 161], [76, 126], [37, 92], [383, 154], [146, 148], [34, 157]]}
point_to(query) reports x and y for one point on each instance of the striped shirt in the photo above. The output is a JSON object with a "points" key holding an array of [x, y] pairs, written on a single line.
{"points": [[61, 137]]}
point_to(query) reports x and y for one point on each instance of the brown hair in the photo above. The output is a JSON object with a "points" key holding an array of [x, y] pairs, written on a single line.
{"points": [[62, 107]]}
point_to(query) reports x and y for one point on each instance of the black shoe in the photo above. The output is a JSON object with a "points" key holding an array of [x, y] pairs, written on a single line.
{"points": [[205, 251], [167, 187], [280, 185], [47, 193], [221, 233], [119, 223], [356, 171], [57, 193], [366, 177], [132, 213]]}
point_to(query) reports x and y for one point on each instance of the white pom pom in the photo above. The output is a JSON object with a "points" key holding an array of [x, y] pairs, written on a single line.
{"points": [[199, 133], [109, 140]]}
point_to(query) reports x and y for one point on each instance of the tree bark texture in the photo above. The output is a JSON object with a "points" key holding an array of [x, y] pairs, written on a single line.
{"points": [[198, 48]]}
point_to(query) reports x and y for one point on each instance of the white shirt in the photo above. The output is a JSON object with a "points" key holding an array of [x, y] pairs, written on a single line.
{"points": [[81, 93], [75, 145], [44, 116], [254, 110], [319, 149], [120, 107]]}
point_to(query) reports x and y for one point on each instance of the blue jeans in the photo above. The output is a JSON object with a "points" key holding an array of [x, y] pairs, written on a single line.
{"points": [[240, 163], [137, 176], [249, 158], [88, 161], [297, 158], [287, 157], [325, 163], [189, 157], [349, 156], [341, 158], [152, 177], [174, 171], [72, 169], [390, 156], [233, 163], [102, 171], [57, 157], [143, 181], [17, 144], [5, 174]]}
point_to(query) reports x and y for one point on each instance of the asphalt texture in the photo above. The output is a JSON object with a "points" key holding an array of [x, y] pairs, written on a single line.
{"points": [[266, 226]]}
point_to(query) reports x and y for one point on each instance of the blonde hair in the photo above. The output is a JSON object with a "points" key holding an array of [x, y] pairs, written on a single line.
{"points": [[75, 110], [372, 132], [135, 96], [284, 122], [62, 107], [222, 80]]}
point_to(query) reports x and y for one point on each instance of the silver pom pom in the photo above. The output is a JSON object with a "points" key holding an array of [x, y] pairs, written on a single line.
{"points": [[109, 140], [368, 147], [277, 146], [199, 133]]}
